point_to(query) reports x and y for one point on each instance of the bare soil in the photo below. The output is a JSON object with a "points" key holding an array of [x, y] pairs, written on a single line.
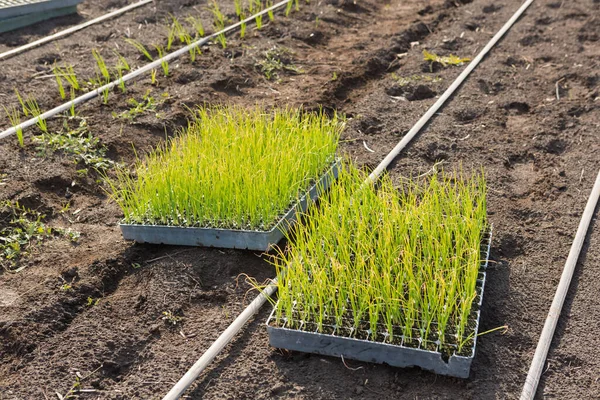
{"points": [[529, 116]]}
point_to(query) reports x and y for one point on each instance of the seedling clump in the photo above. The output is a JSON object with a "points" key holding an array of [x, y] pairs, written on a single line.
{"points": [[276, 60], [391, 266], [231, 168], [444, 60]]}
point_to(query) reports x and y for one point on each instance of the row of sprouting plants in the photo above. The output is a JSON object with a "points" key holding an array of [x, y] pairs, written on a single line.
{"points": [[187, 32]]}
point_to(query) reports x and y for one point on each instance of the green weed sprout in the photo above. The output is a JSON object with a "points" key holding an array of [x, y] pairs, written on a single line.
{"points": [[141, 48], [15, 119], [275, 60], [230, 168], [388, 265]]}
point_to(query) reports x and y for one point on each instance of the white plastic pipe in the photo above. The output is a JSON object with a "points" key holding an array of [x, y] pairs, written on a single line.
{"points": [[539, 358], [440, 102], [73, 29], [146, 68], [220, 343], [237, 325]]}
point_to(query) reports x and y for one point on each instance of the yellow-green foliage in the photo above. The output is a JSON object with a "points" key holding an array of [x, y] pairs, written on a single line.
{"points": [[231, 167], [444, 60], [387, 265]]}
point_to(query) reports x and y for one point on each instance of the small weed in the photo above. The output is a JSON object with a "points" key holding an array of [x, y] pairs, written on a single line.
{"points": [[171, 318], [79, 143], [136, 265], [66, 287], [276, 60], [146, 105], [334, 77], [92, 302], [22, 228], [444, 60]]}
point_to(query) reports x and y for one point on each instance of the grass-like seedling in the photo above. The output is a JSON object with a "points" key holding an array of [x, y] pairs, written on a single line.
{"points": [[34, 109], [219, 23], [137, 108], [22, 103], [15, 119], [164, 64], [386, 265], [230, 168], [141, 48], [255, 6], [61, 88], [101, 65], [197, 25]]}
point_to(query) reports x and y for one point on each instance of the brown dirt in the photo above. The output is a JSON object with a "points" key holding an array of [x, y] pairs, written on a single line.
{"points": [[540, 155]]}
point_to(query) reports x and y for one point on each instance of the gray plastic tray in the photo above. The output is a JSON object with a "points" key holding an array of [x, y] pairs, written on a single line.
{"points": [[376, 352], [230, 238], [14, 8]]}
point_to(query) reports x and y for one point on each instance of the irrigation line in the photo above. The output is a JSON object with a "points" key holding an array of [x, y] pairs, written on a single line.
{"points": [[146, 68], [220, 343], [541, 351], [449, 92], [239, 322], [73, 29]]}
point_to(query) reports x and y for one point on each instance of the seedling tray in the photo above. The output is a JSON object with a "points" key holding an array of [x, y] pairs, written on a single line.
{"points": [[230, 238], [377, 352], [16, 14]]}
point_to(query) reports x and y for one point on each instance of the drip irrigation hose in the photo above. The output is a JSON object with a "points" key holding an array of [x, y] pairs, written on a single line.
{"points": [[239, 322], [449, 92], [541, 351], [73, 29], [220, 343], [146, 68]]}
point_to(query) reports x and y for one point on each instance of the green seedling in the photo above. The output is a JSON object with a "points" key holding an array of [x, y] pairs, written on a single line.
{"points": [[171, 318], [270, 12], [197, 25], [406, 80], [72, 109], [122, 63], [255, 6], [444, 60], [288, 8], [140, 47], [92, 302], [57, 75], [68, 73], [101, 65], [164, 64], [230, 168], [22, 103], [388, 265], [219, 23], [243, 28], [36, 112], [153, 80], [239, 8], [15, 119], [277, 59]]}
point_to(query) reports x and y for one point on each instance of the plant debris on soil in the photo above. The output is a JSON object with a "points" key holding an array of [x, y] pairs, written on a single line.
{"points": [[529, 116]]}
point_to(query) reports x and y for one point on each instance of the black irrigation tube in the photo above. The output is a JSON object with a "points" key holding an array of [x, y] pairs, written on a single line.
{"points": [[146, 68], [210, 354]]}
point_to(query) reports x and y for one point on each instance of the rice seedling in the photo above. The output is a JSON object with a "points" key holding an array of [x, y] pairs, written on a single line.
{"points": [[243, 27], [72, 109], [164, 64], [34, 108], [101, 65], [239, 8], [15, 119], [269, 4], [288, 8], [197, 25], [388, 265], [255, 6], [153, 80], [141, 48], [170, 36], [57, 75], [70, 76], [218, 23], [230, 168], [22, 103]]}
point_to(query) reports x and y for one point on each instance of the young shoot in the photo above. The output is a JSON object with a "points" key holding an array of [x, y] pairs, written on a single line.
{"points": [[230, 168], [164, 64], [141, 48], [101, 65], [197, 25], [34, 109], [15, 119]]}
